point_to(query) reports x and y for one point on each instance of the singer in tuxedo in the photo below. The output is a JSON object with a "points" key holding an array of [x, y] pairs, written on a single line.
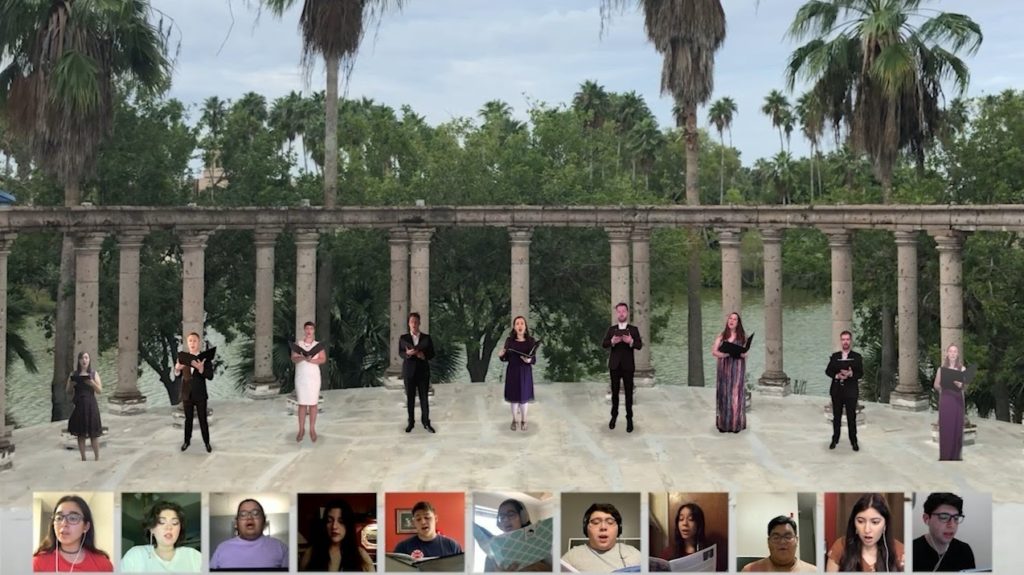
{"points": [[416, 349], [845, 367], [193, 391], [622, 338]]}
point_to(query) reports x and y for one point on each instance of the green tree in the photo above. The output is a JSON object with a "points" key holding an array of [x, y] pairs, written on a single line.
{"points": [[776, 107], [720, 115]]}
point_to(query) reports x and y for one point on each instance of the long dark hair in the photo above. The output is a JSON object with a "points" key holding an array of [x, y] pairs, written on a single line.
{"points": [[351, 558], [152, 519], [526, 332], [78, 365], [850, 561], [49, 543], [678, 544], [741, 336]]}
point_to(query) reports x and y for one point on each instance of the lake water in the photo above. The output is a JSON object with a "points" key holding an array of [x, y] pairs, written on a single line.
{"points": [[806, 336]]}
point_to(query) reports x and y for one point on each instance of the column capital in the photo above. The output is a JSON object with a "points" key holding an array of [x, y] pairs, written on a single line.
{"points": [[398, 234], [771, 235], [192, 238], [905, 237], [421, 235], [838, 237], [306, 236], [264, 237], [6, 239], [131, 238], [520, 234], [729, 236], [641, 234], [89, 241], [619, 233], [948, 240]]}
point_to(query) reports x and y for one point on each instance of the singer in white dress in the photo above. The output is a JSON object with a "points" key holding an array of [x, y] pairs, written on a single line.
{"points": [[307, 381]]}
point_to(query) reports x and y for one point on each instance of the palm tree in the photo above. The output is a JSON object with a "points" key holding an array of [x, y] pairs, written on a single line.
{"points": [[687, 33], [645, 140], [720, 114], [776, 107], [64, 62], [811, 115], [286, 117], [883, 65], [593, 102]]}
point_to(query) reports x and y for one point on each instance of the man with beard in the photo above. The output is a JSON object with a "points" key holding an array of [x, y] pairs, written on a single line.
{"points": [[250, 549], [845, 367], [783, 545]]}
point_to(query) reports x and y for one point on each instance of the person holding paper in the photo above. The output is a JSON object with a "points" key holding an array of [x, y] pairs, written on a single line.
{"points": [[845, 367], [513, 516], [939, 549], [195, 369], [427, 542], [951, 404], [869, 544], [621, 339], [783, 545], [730, 412], [688, 537], [416, 349], [602, 553], [519, 352], [307, 355]]}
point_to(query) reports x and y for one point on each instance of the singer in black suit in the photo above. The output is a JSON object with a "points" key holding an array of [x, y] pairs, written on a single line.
{"points": [[193, 391], [622, 338], [845, 388], [416, 349]]}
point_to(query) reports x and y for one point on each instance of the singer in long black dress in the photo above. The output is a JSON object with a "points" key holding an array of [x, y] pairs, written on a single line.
{"points": [[519, 352], [85, 418]]}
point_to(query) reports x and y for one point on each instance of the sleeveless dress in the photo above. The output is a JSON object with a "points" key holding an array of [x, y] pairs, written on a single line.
{"points": [[85, 418], [307, 379]]}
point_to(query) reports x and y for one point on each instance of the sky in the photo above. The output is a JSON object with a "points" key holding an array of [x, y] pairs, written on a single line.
{"points": [[446, 58]]}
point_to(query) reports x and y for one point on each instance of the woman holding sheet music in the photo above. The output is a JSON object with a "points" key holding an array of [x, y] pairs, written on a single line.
{"points": [[307, 355], [730, 414], [951, 407], [519, 352]]}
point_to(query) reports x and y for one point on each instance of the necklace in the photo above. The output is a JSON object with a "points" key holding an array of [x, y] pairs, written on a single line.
{"points": [[73, 563]]}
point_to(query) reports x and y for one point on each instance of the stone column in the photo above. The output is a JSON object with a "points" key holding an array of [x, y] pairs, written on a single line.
{"points": [[87, 294], [519, 292], [193, 282], [642, 303], [950, 244], [842, 283], [264, 385], [305, 279], [908, 394], [619, 238], [127, 399], [419, 274], [399, 309], [732, 272], [774, 380], [6, 442]]}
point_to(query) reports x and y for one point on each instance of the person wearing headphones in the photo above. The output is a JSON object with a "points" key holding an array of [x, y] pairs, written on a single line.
{"points": [[869, 544], [513, 515], [166, 552], [602, 524]]}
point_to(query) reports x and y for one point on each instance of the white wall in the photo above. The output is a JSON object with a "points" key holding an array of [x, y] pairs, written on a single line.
{"points": [[976, 530], [101, 504], [753, 512], [574, 504]]}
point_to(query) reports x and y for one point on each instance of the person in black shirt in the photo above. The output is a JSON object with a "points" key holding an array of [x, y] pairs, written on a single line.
{"points": [[427, 542], [845, 367], [938, 549]]}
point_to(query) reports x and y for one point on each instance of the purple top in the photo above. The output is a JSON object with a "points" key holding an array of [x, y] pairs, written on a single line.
{"points": [[264, 552]]}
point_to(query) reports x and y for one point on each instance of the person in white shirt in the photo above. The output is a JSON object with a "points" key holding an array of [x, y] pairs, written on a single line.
{"points": [[602, 524], [165, 522]]}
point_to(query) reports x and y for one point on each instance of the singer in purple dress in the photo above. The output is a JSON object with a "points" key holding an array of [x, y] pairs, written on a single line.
{"points": [[519, 352], [730, 414], [951, 409]]}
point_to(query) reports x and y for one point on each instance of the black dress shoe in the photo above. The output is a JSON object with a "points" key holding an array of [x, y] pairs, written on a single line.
{"points": [[855, 446], [429, 428], [209, 448], [833, 444], [184, 446], [409, 426], [611, 424], [629, 426]]}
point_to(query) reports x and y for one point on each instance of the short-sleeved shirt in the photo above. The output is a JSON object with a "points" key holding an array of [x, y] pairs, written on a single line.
{"points": [[53, 562], [439, 546], [261, 553]]}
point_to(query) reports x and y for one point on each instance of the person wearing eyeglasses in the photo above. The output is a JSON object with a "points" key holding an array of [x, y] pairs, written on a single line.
{"points": [[602, 524], [512, 516], [70, 542], [939, 549], [250, 549], [783, 545], [165, 522]]}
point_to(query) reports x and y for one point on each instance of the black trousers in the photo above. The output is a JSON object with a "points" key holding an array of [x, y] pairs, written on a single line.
{"points": [[843, 398], [204, 426], [620, 376], [412, 388]]}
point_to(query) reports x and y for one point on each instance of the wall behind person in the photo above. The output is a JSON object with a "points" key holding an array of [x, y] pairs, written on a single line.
{"points": [[575, 504], [101, 504], [754, 511], [135, 506], [976, 530], [450, 509], [837, 514], [224, 506]]}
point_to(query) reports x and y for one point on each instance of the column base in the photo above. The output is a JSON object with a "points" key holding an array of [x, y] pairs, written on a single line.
{"points": [[644, 378], [970, 433], [861, 420], [775, 384], [909, 401], [6, 449], [748, 400], [292, 404], [263, 388], [178, 418], [127, 404], [393, 380], [70, 442]]}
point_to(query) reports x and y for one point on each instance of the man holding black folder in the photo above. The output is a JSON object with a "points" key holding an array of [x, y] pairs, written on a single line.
{"points": [[195, 369], [845, 367], [416, 349], [622, 338]]}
